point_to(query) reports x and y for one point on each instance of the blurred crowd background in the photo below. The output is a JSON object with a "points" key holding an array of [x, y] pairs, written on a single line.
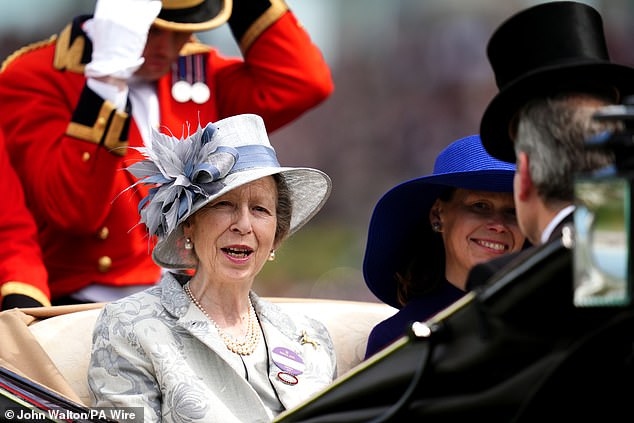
{"points": [[410, 76]]}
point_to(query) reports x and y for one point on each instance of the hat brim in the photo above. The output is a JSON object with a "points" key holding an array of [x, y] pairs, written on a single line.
{"points": [[309, 189], [494, 126], [204, 17], [400, 221]]}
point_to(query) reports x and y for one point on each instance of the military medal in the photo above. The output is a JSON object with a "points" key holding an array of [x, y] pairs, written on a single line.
{"points": [[200, 90], [181, 77], [181, 91], [189, 75]]}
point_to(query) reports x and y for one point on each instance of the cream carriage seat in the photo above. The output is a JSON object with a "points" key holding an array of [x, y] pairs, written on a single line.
{"points": [[66, 338]]}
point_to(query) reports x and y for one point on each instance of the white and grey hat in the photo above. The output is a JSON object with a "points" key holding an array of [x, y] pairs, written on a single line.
{"points": [[187, 173]]}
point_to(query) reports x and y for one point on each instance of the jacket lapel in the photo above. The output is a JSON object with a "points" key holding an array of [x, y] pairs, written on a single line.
{"points": [[287, 360], [192, 320], [285, 344]]}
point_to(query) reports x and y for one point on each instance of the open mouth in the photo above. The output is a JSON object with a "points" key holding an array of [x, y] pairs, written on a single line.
{"points": [[497, 246], [238, 252]]}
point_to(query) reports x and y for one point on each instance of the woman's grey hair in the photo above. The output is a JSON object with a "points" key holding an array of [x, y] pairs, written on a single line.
{"points": [[552, 131], [284, 208]]}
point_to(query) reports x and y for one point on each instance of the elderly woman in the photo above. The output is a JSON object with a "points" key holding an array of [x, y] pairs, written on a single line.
{"points": [[201, 345], [427, 233]]}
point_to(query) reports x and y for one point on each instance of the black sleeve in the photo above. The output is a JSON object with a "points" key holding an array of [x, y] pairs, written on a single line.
{"points": [[20, 301]]}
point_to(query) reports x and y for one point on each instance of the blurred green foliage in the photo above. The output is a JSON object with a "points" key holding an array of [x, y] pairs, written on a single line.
{"points": [[321, 260]]}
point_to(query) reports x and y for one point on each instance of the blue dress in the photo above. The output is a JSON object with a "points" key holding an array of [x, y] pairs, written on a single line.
{"points": [[418, 309]]}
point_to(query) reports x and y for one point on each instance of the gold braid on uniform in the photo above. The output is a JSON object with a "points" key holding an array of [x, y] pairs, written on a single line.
{"points": [[250, 18], [26, 49]]}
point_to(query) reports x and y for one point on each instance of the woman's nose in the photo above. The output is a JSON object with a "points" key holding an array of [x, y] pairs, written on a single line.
{"points": [[242, 221], [498, 222]]}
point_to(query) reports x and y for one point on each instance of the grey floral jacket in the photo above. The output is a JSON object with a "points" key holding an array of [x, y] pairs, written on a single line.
{"points": [[155, 350]]}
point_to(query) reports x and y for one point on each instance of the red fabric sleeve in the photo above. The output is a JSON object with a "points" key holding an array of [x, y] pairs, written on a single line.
{"points": [[21, 268]]}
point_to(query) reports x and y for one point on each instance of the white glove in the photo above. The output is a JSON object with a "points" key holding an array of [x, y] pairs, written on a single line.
{"points": [[118, 31]]}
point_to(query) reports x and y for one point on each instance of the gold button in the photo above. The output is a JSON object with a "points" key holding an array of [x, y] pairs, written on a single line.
{"points": [[86, 156], [105, 263], [103, 233], [101, 122]]}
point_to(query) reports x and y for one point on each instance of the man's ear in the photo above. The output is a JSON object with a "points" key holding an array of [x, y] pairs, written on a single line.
{"points": [[523, 171]]}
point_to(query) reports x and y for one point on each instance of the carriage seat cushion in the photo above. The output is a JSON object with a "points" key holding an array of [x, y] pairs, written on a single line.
{"points": [[67, 338]]}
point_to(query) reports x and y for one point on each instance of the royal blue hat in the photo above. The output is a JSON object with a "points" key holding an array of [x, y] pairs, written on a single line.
{"points": [[404, 209]]}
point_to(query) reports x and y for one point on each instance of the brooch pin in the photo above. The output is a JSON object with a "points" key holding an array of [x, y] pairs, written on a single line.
{"points": [[308, 340]]}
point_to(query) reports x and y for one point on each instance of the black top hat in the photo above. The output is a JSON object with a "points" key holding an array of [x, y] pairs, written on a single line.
{"points": [[544, 49], [193, 15]]}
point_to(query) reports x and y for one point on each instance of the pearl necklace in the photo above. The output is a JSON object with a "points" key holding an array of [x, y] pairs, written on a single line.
{"points": [[251, 339]]}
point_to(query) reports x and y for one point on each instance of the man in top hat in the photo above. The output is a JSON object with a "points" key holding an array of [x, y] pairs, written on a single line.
{"points": [[72, 105], [553, 72]]}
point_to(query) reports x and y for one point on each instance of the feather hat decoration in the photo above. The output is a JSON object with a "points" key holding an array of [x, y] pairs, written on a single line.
{"points": [[182, 171], [186, 174]]}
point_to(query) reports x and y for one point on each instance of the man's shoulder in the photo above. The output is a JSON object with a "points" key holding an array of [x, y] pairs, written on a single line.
{"points": [[69, 50], [498, 268], [31, 52]]}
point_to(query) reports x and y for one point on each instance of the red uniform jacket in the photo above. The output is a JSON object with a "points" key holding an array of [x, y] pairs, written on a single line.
{"points": [[22, 270], [69, 146]]}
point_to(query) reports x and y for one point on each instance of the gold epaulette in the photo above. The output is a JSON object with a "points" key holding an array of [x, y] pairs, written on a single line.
{"points": [[26, 49], [69, 56], [272, 14], [194, 47], [106, 130]]}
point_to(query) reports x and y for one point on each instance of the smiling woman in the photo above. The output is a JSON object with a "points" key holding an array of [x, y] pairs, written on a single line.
{"points": [[427, 233], [202, 343]]}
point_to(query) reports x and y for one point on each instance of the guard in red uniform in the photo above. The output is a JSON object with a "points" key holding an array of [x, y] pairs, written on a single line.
{"points": [[23, 279], [72, 105]]}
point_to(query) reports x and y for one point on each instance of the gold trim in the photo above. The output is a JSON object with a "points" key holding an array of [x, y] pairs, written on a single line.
{"points": [[82, 132], [194, 47], [67, 55], [96, 132], [92, 133], [218, 20], [26, 49], [272, 14], [22, 288], [112, 141], [180, 4]]}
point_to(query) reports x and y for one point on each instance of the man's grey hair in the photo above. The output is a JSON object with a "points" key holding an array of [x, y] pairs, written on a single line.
{"points": [[552, 131]]}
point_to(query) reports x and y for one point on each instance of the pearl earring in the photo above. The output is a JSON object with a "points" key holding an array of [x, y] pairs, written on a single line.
{"points": [[435, 226], [189, 244], [272, 256]]}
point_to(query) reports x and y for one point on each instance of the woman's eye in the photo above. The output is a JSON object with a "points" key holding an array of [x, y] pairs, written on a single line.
{"points": [[261, 209], [480, 206], [221, 204]]}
